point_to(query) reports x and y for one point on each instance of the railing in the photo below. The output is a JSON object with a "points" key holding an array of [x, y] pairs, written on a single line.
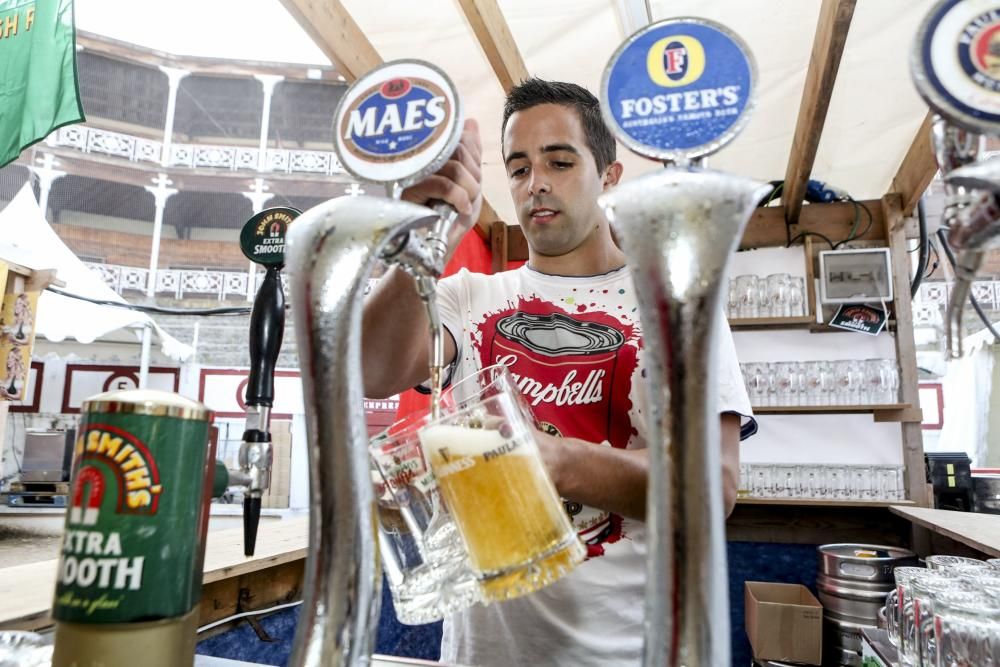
{"points": [[194, 156], [933, 297], [185, 283]]}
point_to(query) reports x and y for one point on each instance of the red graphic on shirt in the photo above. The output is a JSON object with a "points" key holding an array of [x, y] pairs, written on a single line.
{"points": [[575, 371]]}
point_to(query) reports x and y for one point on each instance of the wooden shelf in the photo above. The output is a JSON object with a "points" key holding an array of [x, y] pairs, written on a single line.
{"points": [[979, 531], [828, 409], [749, 324], [814, 502]]}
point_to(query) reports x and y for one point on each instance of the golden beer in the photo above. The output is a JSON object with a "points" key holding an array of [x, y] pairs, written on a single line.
{"points": [[511, 519]]}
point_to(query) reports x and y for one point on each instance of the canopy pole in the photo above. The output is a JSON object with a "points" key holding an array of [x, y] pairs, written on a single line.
{"points": [[147, 335]]}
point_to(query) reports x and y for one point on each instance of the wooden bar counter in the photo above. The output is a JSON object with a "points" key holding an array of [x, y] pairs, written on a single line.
{"points": [[232, 582]]}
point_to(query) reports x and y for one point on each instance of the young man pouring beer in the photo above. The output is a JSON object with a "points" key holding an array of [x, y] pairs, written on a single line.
{"points": [[567, 326]]}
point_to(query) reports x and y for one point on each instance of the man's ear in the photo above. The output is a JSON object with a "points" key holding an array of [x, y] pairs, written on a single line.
{"points": [[613, 174]]}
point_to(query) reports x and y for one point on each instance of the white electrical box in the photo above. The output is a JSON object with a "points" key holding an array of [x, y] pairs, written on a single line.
{"points": [[855, 276]]}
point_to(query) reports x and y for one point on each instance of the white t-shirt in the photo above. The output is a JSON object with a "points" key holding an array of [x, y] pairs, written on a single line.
{"points": [[574, 347]]}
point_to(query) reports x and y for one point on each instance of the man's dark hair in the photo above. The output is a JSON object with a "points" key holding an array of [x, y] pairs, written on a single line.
{"points": [[532, 92]]}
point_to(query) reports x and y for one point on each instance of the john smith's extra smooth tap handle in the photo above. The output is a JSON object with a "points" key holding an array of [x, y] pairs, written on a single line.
{"points": [[263, 242]]}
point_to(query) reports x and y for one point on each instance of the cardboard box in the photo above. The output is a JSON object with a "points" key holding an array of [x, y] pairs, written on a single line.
{"points": [[784, 622]]}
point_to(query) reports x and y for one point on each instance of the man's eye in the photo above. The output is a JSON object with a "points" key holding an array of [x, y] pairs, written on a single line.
{"points": [[562, 165], [520, 171]]}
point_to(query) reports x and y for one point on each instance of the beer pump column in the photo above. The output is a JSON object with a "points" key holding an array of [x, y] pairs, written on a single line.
{"points": [[394, 126], [263, 242], [955, 69], [676, 91]]}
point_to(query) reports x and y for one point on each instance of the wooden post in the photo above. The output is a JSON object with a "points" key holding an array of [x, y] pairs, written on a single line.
{"points": [[906, 351], [498, 245]]}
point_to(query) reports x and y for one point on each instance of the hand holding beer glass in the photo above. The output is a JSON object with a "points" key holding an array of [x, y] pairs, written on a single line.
{"points": [[483, 453]]}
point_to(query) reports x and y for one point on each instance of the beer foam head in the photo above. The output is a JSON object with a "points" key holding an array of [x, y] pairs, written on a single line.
{"points": [[461, 441]]}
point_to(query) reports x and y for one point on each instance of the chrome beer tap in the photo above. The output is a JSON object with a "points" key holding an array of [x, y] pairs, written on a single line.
{"points": [[678, 228], [332, 250], [964, 94]]}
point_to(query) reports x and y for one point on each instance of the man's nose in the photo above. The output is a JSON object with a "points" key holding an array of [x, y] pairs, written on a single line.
{"points": [[538, 184]]}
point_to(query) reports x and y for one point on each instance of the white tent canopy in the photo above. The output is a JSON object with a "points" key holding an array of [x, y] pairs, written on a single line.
{"points": [[874, 111], [29, 240]]}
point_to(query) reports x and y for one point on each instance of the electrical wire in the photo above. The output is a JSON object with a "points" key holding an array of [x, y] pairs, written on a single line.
{"points": [[937, 259], [918, 274], [162, 310], [801, 235], [943, 238], [244, 614]]}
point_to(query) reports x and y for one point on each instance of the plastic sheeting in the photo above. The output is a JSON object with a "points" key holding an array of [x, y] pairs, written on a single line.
{"points": [[29, 240]]}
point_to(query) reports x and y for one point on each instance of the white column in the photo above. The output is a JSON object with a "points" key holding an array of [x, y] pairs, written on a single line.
{"points": [[258, 197], [161, 193], [268, 82], [174, 77], [47, 175]]}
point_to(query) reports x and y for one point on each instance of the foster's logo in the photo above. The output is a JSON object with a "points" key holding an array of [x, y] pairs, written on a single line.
{"points": [[678, 60], [395, 119]]}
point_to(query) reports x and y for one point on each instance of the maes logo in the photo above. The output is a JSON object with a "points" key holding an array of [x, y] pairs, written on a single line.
{"points": [[979, 50], [395, 119], [678, 60]]}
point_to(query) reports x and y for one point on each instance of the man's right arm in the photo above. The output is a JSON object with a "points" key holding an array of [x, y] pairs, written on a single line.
{"points": [[395, 347]]}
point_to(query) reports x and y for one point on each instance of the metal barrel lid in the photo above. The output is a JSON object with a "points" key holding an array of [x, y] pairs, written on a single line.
{"points": [[398, 123], [955, 62], [861, 561], [152, 402], [679, 89]]}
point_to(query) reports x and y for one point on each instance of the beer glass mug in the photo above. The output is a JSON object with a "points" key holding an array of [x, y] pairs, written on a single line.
{"points": [[966, 629], [778, 302], [838, 482], [923, 590], [894, 602], [797, 297], [425, 562], [483, 453], [945, 562], [748, 297]]}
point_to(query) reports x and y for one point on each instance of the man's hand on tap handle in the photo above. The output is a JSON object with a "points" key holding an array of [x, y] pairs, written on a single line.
{"points": [[459, 183]]}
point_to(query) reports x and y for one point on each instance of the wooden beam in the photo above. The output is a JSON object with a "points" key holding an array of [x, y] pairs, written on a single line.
{"points": [[493, 33], [334, 31], [828, 47], [498, 246], [487, 216], [917, 169], [906, 350]]}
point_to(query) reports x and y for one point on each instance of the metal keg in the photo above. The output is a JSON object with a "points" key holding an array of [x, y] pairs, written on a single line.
{"points": [[852, 584]]}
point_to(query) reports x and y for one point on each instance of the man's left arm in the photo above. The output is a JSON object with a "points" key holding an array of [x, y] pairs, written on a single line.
{"points": [[616, 479]]}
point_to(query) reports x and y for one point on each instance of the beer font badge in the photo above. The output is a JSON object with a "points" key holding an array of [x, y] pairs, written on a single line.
{"points": [[860, 317], [955, 62], [679, 89], [398, 123], [263, 237], [131, 547]]}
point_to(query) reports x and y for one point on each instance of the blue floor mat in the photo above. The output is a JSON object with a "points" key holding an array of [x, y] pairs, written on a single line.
{"points": [[753, 561]]}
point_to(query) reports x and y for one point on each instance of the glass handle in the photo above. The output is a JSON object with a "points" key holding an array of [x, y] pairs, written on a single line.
{"points": [[892, 618]]}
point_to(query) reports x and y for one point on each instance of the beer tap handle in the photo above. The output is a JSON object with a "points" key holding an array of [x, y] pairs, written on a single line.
{"points": [[267, 325]]}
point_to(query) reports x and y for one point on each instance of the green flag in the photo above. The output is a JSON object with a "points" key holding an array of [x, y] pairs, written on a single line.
{"points": [[38, 86]]}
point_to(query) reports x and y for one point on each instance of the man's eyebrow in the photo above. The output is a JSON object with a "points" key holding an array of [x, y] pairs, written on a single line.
{"points": [[552, 148], [548, 148], [517, 155]]}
